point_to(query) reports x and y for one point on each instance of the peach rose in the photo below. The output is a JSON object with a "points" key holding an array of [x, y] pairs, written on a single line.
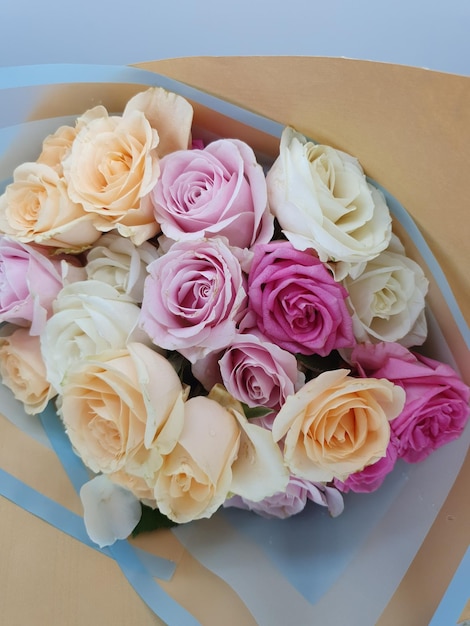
{"points": [[168, 113], [23, 371], [336, 425], [136, 485], [123, 410], [218, 453], [195, 477], [37, 208], [56, 146], [111, 167]]}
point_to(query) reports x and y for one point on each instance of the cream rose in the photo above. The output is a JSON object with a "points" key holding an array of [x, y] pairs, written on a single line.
{"points": [[117, 261], [217, 453], [89, 317], [336, 425], [123, 410], [322, 200], [23, 371], [37, 208], [387, 301]]}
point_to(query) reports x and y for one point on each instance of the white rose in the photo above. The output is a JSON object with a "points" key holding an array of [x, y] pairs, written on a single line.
{"points": [[117, 261], [322, 200], [90, 317], [387, 300]]}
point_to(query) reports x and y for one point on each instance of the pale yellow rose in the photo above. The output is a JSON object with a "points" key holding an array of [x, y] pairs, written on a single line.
{"points": [[37, 208], [23, 371], [336, 425], [123, 410], [218, 453], [111, 167]]}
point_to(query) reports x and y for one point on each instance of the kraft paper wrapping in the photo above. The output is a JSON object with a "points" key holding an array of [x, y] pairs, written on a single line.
{"points": [[410, 129]]}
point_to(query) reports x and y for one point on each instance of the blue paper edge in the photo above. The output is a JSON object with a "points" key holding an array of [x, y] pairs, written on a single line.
{"points": [[455, 598]]}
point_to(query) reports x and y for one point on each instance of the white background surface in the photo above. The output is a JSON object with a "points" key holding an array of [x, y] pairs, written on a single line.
{"points": [[432, 33]]}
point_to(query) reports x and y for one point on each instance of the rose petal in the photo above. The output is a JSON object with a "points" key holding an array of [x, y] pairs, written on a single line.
{"points": [[258, 456], [169, 114], [110, 511]]}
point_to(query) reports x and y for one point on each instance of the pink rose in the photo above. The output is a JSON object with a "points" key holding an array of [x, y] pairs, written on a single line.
{"points": [[30, 281], [371, 477], [192, 297], [293, 500], [220, 190], [436, 408], [254, 370], [296, 301]]}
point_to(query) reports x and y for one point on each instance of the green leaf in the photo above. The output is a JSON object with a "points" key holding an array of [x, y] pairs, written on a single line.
{"points": [[255, 411], [313, 364], [151, 519]]}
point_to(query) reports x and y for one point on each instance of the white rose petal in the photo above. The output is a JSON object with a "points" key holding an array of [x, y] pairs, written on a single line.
{"points": [[117, 261], [258, 456], [110, 511]]}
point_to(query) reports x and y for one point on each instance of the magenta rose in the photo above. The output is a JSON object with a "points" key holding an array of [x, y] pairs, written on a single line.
{"points": [[192, 298], [371, 477], [436, 408], [293, 500], [296, 301], [30, 280], [220, 190], [254, 370]]}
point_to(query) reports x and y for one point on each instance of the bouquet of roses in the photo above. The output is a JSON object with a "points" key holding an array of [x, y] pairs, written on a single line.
{"points": [[214, 332]]}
